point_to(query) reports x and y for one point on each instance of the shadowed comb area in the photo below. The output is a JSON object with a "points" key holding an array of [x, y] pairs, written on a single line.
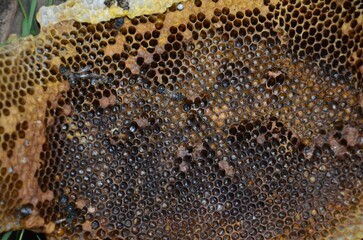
{"points": [[224, 119]]}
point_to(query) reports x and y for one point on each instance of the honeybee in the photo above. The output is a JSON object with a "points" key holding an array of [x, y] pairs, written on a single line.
{"points": [[176, 96], [124, 4], [84, 73], [118, 23], [173, 96]]}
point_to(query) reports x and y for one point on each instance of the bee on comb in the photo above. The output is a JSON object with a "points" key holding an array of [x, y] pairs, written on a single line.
{"points": [[117, 24]]}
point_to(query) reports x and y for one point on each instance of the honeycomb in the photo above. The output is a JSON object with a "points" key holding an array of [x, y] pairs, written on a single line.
{"points": [[98, 11], [226, 119]]}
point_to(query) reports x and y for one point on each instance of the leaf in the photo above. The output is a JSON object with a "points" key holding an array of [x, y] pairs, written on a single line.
{"points": [[27, 23], [21, 234], [33, 7], [24, 30], [6, 236], [22, 8]]}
